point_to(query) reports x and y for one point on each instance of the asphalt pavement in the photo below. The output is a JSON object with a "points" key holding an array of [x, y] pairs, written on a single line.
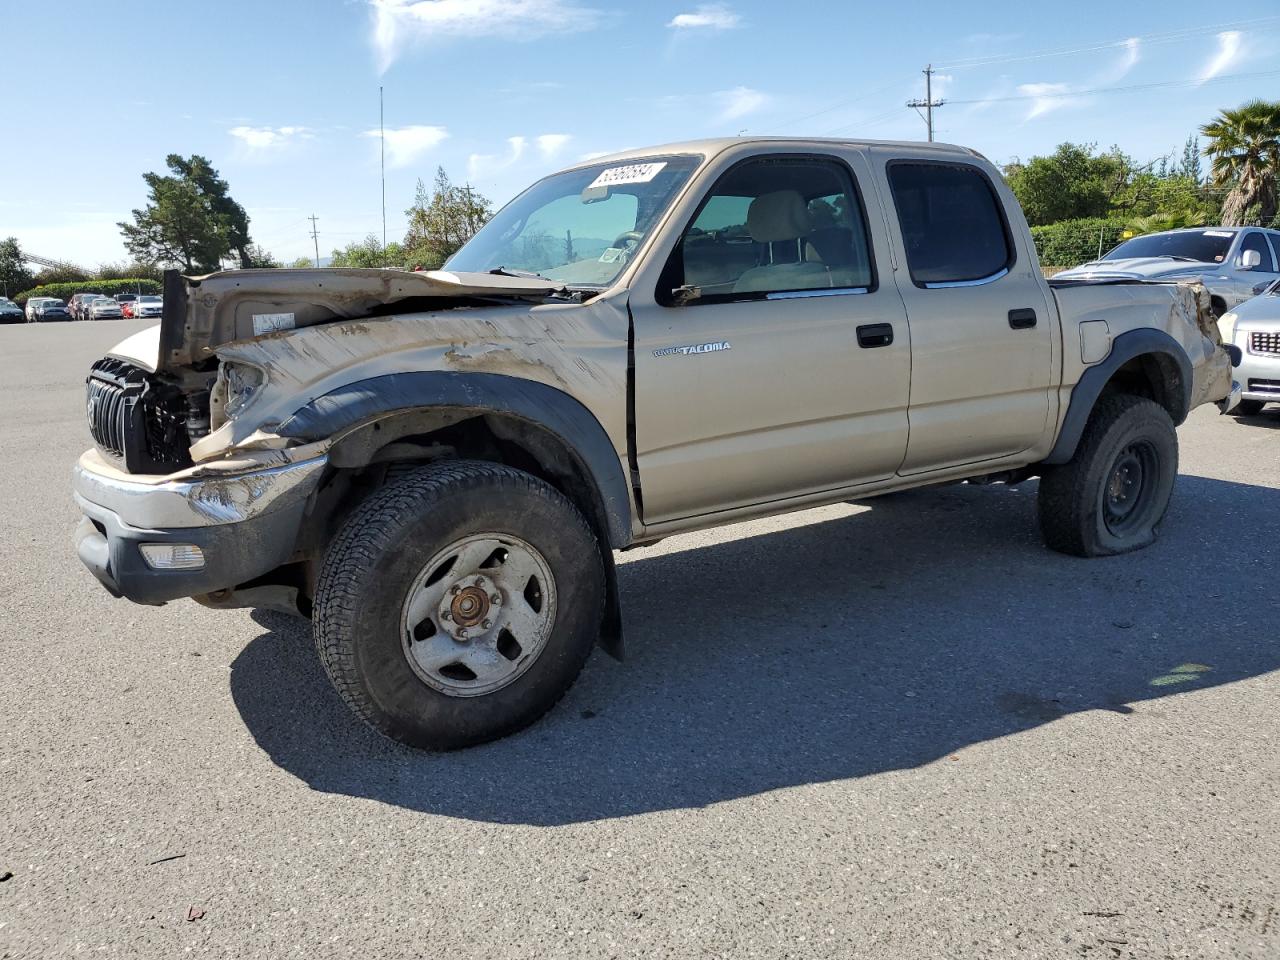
{"points": [[895, 729]]}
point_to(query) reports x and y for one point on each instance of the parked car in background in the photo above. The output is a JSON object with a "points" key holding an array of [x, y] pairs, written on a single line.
{"points": [[78, 303], [34, 302], [1235, 263], [123, 298], [103, 308], [52, 310], [1254, 327], [147, 306], [10, 312]]}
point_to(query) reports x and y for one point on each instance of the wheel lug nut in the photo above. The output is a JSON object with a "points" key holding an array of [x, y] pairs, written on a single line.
{"points": [[496, 598], [462, 634], [487, 624], [446, 615], [455, 589]]}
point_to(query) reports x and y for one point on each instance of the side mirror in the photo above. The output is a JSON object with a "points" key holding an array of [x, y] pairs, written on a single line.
{"points": [[686, 294], [1250, 260]]}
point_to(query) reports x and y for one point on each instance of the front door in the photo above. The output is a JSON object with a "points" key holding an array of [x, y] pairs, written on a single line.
{"points": [[789, 371]]}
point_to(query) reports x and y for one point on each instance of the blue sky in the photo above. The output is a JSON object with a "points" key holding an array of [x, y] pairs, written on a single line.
{"points": [[282, 95]]}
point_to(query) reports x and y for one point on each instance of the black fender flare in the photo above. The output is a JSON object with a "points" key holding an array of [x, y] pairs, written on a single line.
{"points": [[553, 410], [1085, 395]]}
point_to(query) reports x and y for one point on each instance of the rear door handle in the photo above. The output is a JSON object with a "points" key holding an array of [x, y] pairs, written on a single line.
{"points": [[875, 335], [1022, 319]]}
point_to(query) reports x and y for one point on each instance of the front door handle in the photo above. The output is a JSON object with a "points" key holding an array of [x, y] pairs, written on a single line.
{"points": [[875, 335], [1022, 319]]}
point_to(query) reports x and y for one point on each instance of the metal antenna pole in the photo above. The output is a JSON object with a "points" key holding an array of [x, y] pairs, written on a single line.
{"points": [[382, 140]]}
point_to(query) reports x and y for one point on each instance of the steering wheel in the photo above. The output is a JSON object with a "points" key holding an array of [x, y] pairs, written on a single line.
{"points": [[620, 241]]}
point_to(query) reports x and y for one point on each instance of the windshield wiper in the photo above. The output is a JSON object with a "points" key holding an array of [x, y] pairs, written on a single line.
{"points": [[519, 274]]}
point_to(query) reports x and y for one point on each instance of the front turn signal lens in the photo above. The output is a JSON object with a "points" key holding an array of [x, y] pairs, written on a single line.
{"points": [[172, 556]]}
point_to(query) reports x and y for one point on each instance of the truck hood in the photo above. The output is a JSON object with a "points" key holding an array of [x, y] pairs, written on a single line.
{"points": [[201, 313], [1163, 268]]}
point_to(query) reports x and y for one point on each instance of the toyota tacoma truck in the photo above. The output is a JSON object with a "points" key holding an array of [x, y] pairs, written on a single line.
{"points": [[436, 468]]}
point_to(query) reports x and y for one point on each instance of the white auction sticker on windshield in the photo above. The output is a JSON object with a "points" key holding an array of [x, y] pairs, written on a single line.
{"points": [[1218, 233], [631, 173], [271, 322]]}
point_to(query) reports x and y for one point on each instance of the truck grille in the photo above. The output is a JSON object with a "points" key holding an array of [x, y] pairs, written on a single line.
{"points": [[133, 420], [1265, 343]]}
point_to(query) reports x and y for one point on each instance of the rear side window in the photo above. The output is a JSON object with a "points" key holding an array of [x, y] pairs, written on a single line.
{"points": [[952, 224]]}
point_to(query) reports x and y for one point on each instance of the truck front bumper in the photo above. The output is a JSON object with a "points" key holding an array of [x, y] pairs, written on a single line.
{"points": [[243, 523]]}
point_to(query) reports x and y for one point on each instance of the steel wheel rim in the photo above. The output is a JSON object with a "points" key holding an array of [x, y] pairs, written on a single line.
{"points": [[1129, 490], [478, 615]]}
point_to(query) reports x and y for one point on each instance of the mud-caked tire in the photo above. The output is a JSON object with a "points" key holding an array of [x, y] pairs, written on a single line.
{"points": [[1112, 495], [458, 604]]}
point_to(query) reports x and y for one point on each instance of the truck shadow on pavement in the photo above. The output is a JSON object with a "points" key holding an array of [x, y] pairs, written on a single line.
{"points": [[877, 641]]}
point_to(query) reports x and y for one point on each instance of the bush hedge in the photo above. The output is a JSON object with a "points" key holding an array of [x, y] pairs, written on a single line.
{"points": [[108, 288], [1070, 243]]}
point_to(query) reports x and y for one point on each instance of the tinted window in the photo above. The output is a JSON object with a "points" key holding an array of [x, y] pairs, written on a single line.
{"points": [[952, 224], [775, 226], [1256, 241], [1201, 246]]}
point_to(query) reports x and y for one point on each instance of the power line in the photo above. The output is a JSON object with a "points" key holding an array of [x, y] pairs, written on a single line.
{"points": [[1170, 36], [1130, 88]]}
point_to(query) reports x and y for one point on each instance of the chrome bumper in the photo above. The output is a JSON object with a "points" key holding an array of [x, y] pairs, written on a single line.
{"points": [[206, 500]]}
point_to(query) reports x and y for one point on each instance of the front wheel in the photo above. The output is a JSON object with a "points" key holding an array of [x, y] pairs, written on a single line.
{"points": [[1113, 494], [458, 604]]}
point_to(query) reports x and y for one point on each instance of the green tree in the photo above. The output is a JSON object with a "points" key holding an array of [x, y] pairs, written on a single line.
{"points": [[64, 273], [1190, 167], [255, 256], [189, 219], [442, 221], [302, 263], [368, 252], [1073, 183], [14, 275], [1244, 145]]}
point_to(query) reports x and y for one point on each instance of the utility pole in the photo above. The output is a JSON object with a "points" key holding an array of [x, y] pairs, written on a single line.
{"points": [[382, 140], [928, 102], [315, 236]]}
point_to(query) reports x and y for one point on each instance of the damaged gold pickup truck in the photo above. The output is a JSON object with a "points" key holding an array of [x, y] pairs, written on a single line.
{"points": [[437, 467]]}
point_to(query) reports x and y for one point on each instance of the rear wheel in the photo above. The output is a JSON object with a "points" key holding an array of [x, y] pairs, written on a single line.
{"points": [[1249, 408], [458, 604], [1112, 495]]}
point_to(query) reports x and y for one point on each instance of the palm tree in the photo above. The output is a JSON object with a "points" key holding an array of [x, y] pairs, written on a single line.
{"points": [[1245, 146]]}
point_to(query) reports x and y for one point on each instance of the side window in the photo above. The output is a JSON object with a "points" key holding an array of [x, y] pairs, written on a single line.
{"points": [[952, 224], [1253, 240], [775, 226]]}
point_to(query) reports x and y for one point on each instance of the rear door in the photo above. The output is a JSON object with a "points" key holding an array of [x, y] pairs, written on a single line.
{"points": [[983, 331], [790, 373]]}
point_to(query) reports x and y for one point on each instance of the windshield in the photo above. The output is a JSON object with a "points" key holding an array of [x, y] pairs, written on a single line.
{"points": [[1207, 246], [580, 227], [148, 299]]}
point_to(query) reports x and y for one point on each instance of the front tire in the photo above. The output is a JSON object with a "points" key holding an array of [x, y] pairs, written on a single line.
{"points": [[1113, 494], [458, 604]]}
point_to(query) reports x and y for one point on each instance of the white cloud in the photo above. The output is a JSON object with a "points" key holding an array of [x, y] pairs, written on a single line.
{"points": [[596, 155], [399, 23], [481, 165], [1046, 97], [714, 16], [1230, 50], [406, 144], [1132, 53], [739, 102], [269, 138], [550, 144]]}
